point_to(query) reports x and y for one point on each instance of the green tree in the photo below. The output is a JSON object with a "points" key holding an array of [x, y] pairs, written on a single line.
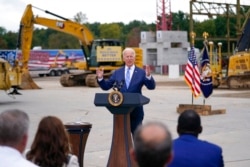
{"points": [[112, 30], [63, 41], [221, 29], [131, 32], [3, 42], [2, 31], [180, 21], [94, 28], [11, 38], [133, 38]]}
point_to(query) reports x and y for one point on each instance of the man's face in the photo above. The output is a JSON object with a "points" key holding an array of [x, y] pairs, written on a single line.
{"points": [[129, 58]]}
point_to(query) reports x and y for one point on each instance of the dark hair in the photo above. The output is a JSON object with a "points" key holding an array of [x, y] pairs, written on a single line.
{"points": [[189, 122], [152, 153], [51, 144]]}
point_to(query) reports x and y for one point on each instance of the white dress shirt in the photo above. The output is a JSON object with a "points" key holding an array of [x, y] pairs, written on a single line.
{"points": [[10, 157]]}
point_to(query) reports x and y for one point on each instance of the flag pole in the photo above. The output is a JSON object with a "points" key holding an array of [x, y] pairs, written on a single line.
{"points": [[205, 35], [192, 36]]}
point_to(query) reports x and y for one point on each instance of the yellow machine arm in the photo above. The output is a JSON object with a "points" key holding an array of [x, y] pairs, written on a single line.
{"points": [[75, 29], [28, 20]]}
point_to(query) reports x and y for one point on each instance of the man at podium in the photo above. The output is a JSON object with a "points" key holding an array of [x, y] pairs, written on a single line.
{"points": [[129, 79]]}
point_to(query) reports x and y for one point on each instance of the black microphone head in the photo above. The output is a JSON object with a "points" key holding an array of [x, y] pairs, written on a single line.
{"points": [[122, 82]]}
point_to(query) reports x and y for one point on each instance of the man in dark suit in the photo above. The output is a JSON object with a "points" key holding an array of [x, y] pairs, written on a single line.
{"points": [[189, 151], [133, 79]]}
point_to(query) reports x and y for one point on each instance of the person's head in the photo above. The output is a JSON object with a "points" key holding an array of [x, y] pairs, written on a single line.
{"points": [[129, 56], [51, 143], [14, 126], [152, 145], [189, 122]]}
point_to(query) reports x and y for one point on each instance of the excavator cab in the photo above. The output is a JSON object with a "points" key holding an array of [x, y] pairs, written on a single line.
{"points": [[106, 53]]}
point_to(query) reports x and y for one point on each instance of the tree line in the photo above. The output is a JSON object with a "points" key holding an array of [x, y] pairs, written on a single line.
{"points": [[128, 33]]}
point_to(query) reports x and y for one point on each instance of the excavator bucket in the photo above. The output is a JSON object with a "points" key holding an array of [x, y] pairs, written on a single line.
{"points": [[27, 81]]}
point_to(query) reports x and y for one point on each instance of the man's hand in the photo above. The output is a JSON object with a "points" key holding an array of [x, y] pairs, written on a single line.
{"points": [[148, 71], [99, 72]]}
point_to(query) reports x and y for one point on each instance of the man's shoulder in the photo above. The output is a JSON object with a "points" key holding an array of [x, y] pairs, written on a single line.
{"points": [[121, 69], [138, 69], [185, 139], [27, 163], [211, 145]]}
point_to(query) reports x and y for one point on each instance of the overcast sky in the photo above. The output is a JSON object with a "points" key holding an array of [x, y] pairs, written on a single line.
{"points": [[103, 11]]}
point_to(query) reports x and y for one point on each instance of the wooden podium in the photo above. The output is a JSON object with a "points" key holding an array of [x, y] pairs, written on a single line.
{"points": [[78, 134], [122, 139]]}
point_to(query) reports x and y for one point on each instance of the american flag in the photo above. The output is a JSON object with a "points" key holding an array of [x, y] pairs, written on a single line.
{"points": [[192, 73]]}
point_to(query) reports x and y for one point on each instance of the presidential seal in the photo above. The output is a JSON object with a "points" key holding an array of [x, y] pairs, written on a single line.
{"points": [[115, 98]]}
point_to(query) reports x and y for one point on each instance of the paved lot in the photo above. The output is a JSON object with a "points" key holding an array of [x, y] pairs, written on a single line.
{"points": [[230, 130]]}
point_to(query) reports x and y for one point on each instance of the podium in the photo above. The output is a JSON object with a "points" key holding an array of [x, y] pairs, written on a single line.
{"points": [[78, 134], [121, 139]]}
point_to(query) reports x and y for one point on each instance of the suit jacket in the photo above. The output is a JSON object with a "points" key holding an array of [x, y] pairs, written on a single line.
{"points": [[136, 83], [189, 151]]}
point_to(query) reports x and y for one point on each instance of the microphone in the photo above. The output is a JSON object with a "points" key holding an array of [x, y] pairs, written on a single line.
{"points": [[121, 84], [115, 85]]}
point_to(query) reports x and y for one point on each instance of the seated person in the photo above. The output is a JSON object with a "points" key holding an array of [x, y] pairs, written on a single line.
{"points": [[189, 151], [152, 145], [14, 125], [51, 146]]}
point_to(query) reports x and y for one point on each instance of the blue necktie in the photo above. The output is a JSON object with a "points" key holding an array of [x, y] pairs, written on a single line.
{"points": [[127, 77]]}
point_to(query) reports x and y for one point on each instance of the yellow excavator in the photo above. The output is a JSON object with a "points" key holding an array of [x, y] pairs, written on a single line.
{"points": [[99, 53], [237, 68]]}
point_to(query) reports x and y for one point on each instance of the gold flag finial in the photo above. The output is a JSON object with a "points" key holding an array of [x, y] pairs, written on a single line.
{"points": [[192, 36], [205, 35]]}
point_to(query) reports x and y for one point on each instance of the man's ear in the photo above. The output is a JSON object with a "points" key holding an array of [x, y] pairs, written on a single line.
{"points": [[170, 158], [178, 129], [22, 144], [200, 130], [132, 154]]}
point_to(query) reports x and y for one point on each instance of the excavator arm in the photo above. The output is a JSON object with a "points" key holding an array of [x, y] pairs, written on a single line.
{"points": [[28, 20], [243, 43], [81, 32]]}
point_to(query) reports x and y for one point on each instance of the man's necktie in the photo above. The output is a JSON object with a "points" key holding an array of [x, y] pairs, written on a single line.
{"points": [[127, 77]]}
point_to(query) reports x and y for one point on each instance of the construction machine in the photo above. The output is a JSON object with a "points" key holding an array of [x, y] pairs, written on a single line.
{"points": [[237, 69], [99, 53], [10, 76]]}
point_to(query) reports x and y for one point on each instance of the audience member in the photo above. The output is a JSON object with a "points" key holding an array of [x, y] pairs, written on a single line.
{"points": [[51, 145], [152, 145], [189, 151], [14, 126]]}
